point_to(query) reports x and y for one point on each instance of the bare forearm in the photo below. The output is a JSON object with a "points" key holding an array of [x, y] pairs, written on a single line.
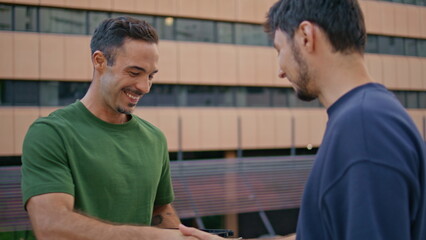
{"points": [[75, 226], [165, 217]]}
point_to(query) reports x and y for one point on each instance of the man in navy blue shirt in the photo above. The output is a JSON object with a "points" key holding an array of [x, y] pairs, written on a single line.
{"points": [[368, 179]]}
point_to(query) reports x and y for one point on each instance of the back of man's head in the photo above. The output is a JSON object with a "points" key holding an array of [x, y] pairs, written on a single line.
{"points": [[112, 32], [341, 20]]}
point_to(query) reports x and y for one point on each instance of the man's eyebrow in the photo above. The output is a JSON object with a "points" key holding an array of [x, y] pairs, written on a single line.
{"points": [[141, 69], [137, 68]]}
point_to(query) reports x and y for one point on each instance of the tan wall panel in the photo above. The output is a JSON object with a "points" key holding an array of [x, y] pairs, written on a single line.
{"points": [[389, 71], [52, 56], [283, 128], [101, 4], [228, 133], [208, 8], [146, 6], [374, 66], [227, 65], [318, 121], [422, 22], [209, 129], [24, 117], [148, 114], [261, 9], [387, 11], [78, 65], [45, 111], [189, 62], [123, 5], [401, 19], [417, 116], [227, 9], [265, 128], [32, 2], [168, 119], [372, 16], [413, 21], [266, 73], [6, 56], [246, 65], [415, 68], [402, 72], [167, 7], [249, 135], [168, 63], [59, 3], [191, 126], [26, 60], [423, 61], [209, 71], [188, 7], [6, 131], [246, 10], [302, 127], [83, 4]]}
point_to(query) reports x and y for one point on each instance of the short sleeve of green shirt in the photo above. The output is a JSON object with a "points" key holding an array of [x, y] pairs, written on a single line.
{"points": [[165, 193], [44, 165]]}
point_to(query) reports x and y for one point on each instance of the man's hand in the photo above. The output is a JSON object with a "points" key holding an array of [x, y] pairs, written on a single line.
{"points": [[189, 231]]}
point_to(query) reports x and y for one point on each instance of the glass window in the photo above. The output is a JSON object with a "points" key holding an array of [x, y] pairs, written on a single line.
{"points": [[372, 44], [258, 97], [26, 93], [69, 92], [410, 47], [49, 93], [250, 34], [280, 97], [5, 17], [400, 95], [391, 45], [25, 18], [422, 99], [412, 100], [194, 30], [201, 96], [54, 20], [160, 95], [165, 27], [225, 32], [95, 18], [421, 48], [225, 96], [6, 92]]}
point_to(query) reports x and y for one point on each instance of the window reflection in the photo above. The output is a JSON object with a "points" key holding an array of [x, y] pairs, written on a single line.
{"points": [[5, 17]]}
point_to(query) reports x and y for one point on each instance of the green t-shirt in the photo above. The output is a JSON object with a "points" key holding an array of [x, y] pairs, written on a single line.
{"points": [[116, 172]]}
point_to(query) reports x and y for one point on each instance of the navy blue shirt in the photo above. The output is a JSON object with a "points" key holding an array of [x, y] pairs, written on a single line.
{"points": [[368, 179]]}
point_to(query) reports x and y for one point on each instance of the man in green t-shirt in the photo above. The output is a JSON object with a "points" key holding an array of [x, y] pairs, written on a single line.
{"points": [[93, 170]]}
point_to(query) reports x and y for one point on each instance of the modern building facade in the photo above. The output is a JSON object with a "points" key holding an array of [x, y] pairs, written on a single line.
{"points": [[217, 93]]}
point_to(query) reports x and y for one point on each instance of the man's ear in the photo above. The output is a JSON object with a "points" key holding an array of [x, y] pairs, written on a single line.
{"points": [[99, 60], [306, 36]]}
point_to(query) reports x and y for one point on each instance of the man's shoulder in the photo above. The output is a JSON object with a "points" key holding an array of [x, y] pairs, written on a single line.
{"points": [[60, 117]]}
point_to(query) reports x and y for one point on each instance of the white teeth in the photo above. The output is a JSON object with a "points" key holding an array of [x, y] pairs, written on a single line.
{"points": [[132, 97]]}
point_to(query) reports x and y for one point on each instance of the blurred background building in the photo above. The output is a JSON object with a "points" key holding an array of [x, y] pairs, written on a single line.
{"points": [[217, 94]]}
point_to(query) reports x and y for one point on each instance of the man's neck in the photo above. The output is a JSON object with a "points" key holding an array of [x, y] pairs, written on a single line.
{"points": [[341, 75]]}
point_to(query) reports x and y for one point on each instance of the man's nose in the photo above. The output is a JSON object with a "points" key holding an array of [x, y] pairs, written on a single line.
{"points": [[281, 74], [144, 86]]}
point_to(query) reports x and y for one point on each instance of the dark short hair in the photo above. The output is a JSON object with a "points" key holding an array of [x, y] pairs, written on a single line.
{"points": [[341, 20], [111, 33]]}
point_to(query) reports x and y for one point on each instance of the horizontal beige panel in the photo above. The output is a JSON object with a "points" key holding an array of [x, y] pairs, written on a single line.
{"points": [[394, 19], [33, 56], [397, 72], [201, 129]]}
